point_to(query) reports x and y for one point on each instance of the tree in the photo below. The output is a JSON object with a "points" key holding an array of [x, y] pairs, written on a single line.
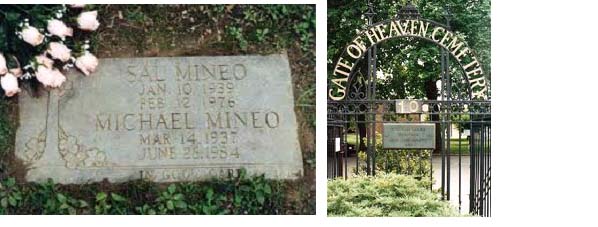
{"points": [[411, 66]]}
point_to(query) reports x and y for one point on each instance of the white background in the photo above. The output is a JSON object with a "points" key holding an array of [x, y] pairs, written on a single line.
{"points": [[544, 163]]}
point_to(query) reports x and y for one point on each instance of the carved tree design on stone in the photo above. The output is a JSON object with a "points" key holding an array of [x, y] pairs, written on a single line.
{"points": [[75, 154]]}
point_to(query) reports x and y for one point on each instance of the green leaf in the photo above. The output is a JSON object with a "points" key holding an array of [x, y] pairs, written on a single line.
{"points": [[170, 205], [12, 201], [10, 182], [4, 202], [101, 196], [267, 189], [181, 204], [171, 188], [237, 199], [61, 198], [178, 196], [260, 197], [72, 210], [244, 188], [117, 197], [83, 203], [63, 206], [12, 17], [242, 173], [209, 194]]}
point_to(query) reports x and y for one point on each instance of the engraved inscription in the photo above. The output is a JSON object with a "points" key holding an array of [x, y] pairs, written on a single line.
{"points": [[409, 136], [167, 119]]}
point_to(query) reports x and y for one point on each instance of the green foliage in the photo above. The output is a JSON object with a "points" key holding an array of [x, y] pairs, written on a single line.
{"points": [[412, 162], [411, 64], [10, 196], [307, 102], [283, 25], [212, 203], [237, 34], [250, 197], [171, 201], [242, 194], [135, 15], [110, 203], [385, 195], [6, 133], [45, 198]]}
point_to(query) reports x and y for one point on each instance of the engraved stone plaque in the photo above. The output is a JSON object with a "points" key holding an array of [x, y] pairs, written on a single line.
{"points": [[164, 119], [409, 136]]}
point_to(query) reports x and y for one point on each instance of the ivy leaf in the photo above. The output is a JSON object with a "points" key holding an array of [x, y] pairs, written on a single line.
{"points": [[63, 206], [61, 198], [100, 196], [171, 189], [181, 204], [237, 199], [260, 197], [209, 194], [170, 205], [12, 17], [244, 188], [12, 201], [178, 197], [267, 189], [10, 182], [117, 197], [4, 202]]}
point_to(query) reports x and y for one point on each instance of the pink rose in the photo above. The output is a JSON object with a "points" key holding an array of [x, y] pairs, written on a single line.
{"points": [[3, 68], [10, 84], [44, 75], [58, 28], [49, 77], [59, 78], [77, 5], [87, 63], [88, 21], [42, 59], [59, 51], [32, 36]]}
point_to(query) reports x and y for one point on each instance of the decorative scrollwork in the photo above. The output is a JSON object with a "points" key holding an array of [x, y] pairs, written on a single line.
{"points": [[357, 88]]}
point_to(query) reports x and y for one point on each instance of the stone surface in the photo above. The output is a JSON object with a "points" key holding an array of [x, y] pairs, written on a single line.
{"points": [[409, 135], [164, 119]]}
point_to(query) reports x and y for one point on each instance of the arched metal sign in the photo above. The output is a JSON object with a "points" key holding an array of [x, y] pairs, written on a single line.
{"points": [[419, 28]]}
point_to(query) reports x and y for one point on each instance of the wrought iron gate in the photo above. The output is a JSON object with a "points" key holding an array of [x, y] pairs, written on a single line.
{"points": [[462, 152]]}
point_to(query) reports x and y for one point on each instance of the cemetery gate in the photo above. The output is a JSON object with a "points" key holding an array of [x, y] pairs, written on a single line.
{"points": [[447, 139]]}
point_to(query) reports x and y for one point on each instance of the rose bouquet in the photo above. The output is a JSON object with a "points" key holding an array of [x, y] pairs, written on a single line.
{"points": [[40, 42]]}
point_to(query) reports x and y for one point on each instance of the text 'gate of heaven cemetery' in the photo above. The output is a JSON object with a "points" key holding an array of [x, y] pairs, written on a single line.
{"points": [[164, 119]]}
